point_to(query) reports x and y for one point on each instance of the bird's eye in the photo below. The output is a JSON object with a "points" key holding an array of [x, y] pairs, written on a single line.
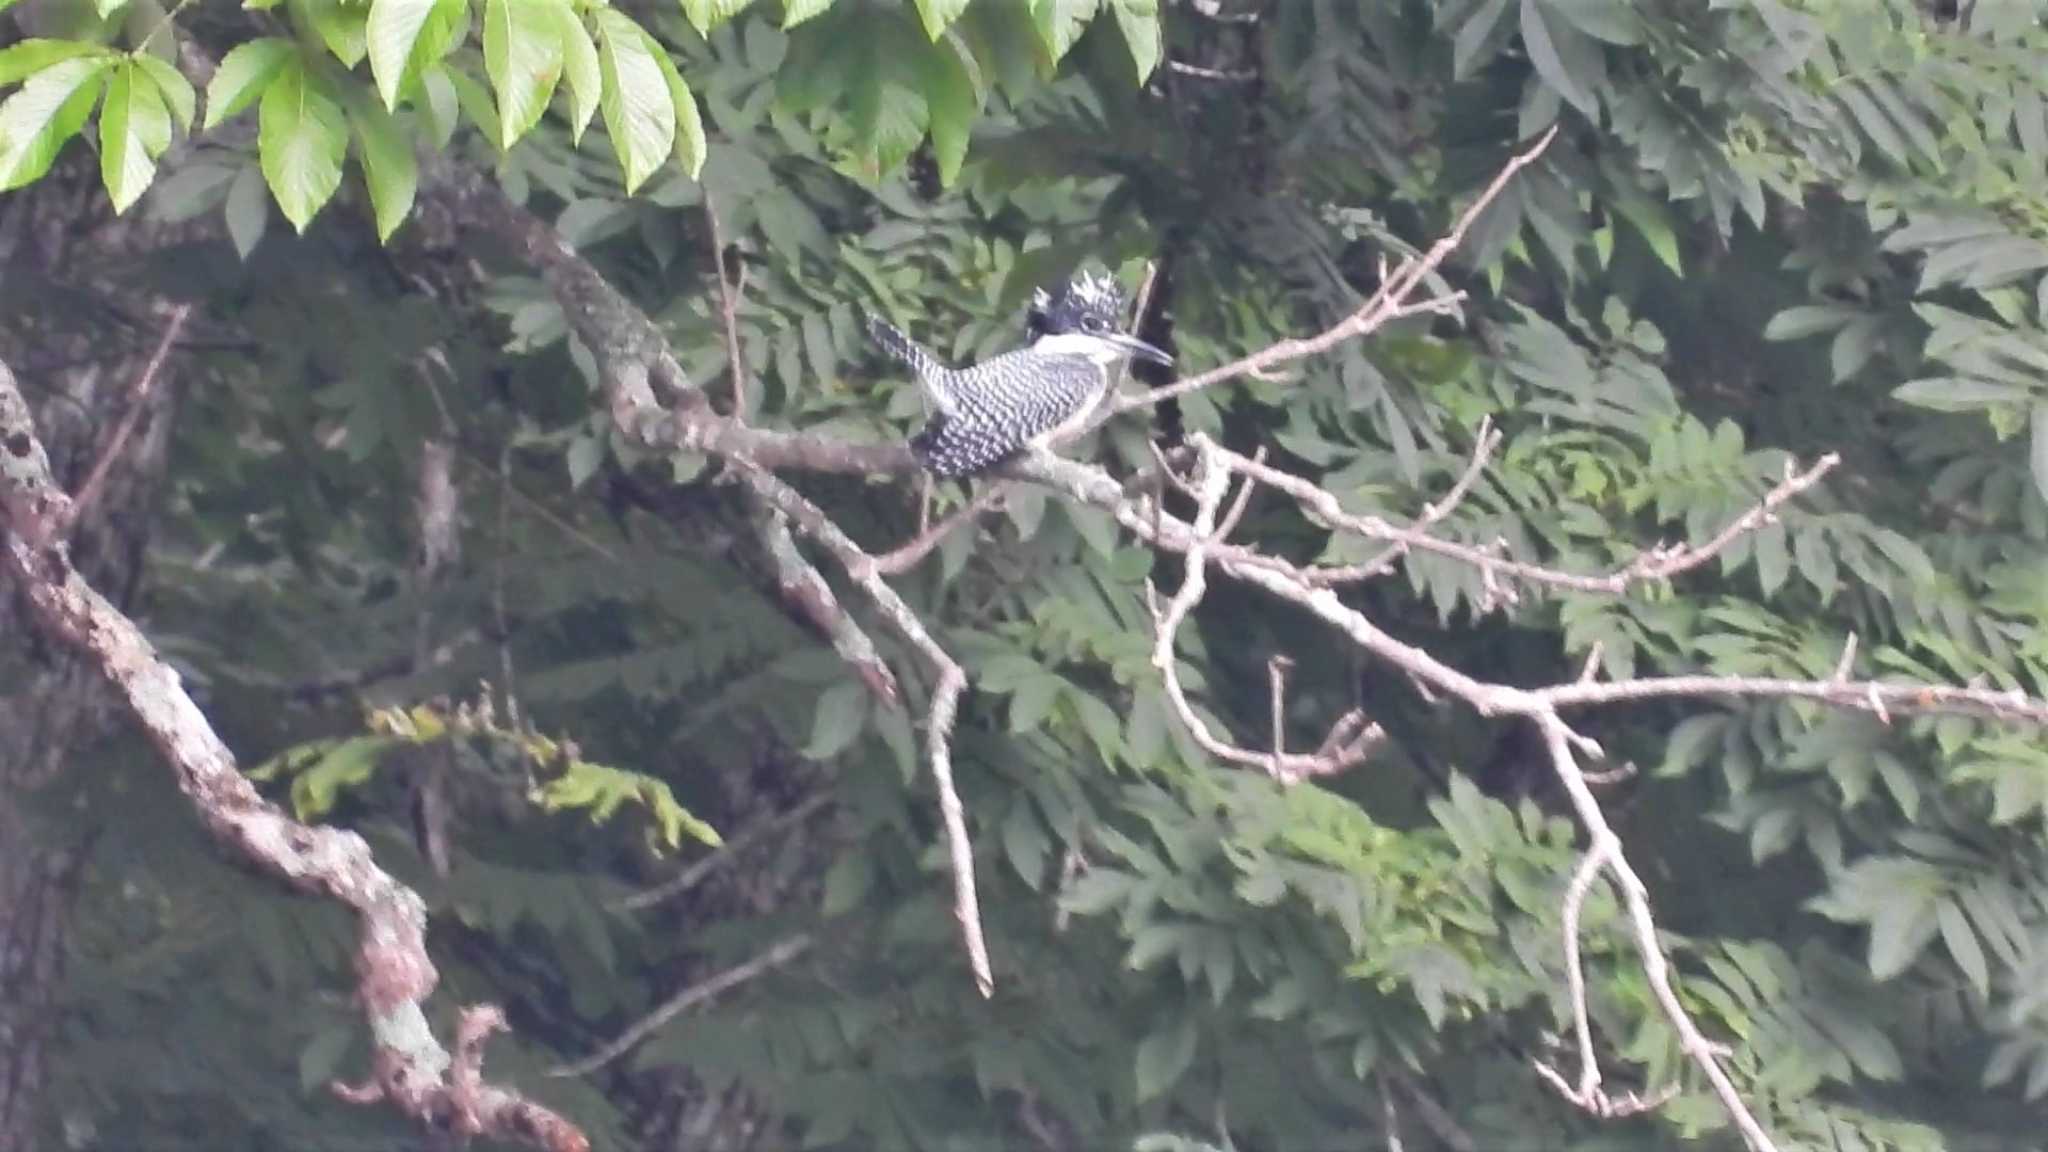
{"points": [[1093, 324]]}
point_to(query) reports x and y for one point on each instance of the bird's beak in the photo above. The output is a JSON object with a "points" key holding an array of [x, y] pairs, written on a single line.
{"points": [[1138, 348]]}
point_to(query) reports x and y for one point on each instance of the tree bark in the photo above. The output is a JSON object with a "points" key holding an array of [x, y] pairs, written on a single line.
{"points": [[79, 336]]}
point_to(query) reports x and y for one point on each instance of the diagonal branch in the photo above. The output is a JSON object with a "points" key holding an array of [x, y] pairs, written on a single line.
{"points": [[393, 970], [1394, 299]]}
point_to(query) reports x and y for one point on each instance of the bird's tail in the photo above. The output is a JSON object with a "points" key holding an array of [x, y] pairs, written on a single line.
{"points": [[931, 375]]}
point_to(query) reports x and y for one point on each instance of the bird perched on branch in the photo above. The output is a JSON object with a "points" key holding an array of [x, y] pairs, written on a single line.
{"points": [[984, 415]]}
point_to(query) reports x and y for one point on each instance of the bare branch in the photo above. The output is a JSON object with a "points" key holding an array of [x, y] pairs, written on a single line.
{"points": [[803, 587], [138, 399], [910, 555], [1335, 755], [782, 953], [945, 703], [733, 848], [728, 303], [1483, 447], [1655, 564], [394, 972], [1394, 299]]}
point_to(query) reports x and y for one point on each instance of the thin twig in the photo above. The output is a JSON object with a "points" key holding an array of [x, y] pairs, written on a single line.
{"points": [[907, 556], [728, 308], [138, 399], [699, 870], [1393, 300], [782, 953]]}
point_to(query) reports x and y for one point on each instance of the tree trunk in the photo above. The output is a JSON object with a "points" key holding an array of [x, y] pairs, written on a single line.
{"points": [[79, 336]]}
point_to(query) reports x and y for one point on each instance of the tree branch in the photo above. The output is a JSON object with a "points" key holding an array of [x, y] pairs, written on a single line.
{"points": [[393, 970], [688, 998]]}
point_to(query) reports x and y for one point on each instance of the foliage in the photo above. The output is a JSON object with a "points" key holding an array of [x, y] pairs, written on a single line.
{"points": [[1767, 230]]}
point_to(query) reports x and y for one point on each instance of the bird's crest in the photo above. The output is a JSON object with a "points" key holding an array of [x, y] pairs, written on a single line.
{"points": [[1085, 290]]}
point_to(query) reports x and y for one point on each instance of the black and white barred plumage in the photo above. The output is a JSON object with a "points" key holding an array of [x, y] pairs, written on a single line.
{"points": [[982, 416]]}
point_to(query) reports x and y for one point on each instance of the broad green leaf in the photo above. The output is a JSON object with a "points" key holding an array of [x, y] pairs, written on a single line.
{"points": [[690, 145], [1961, 941], [441, 106], [795, 12], [135, 128], [172, 86], [301, 139], [1138, 20], [1475, 34], [888, 109], [1805, 320], [25, 59], [396, 29], [247, 210], [1615, 21], [842, 711], [50, 109], [243, 75], [1060, 23], [1566, 58], [1653, 223], [639, 109], [390, 169], [523, 57], [1899, 932], [704, 15], [344, 28], [1164, 1056], [581, 69], [954, 102], [1026, 844], [938, 15]]}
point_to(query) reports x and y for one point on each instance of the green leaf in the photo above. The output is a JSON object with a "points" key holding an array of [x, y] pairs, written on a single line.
{"points": [[954, 102], [50, 109], [842, 711], [1060, 23], [1566, 59], [523, 57], [135, 128], [1164, 1056], [1961, 941], [580, 67], [938, 15], [1026, 844], [247, 210], [442, 107], [795, 12], [390, 170], [171, 85], [301, 140], [704, 15], [639, 109], [691, 146], [20, 61], [343, 27], [243, 75], [1653, 223], [1138, 20], [888, 110], [1475, 35], [394, 28], [1899, 932]]}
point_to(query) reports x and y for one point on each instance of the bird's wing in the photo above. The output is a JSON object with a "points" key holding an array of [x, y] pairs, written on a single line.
{"points": [[1003, 405]]}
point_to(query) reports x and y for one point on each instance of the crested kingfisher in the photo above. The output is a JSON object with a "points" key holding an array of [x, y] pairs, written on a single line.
{"points": [[984, 415]]}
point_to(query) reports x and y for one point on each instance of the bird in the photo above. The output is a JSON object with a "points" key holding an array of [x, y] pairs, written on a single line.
{"points": [[1023, 400]]}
